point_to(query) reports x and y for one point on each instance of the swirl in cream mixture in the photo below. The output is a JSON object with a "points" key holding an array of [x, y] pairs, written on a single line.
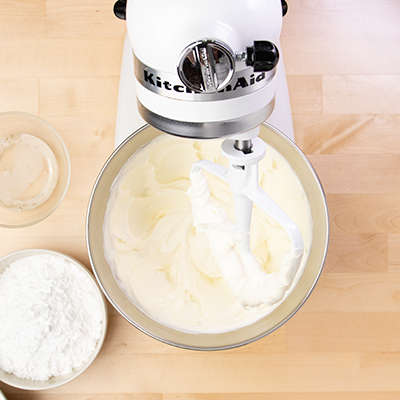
{"points": [[159, 260]]}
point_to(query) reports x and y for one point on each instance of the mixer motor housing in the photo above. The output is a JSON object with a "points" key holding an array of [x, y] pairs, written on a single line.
{"points": [[204, 70]]}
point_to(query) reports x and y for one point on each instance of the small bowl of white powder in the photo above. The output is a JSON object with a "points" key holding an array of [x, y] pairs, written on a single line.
{"points": [[53, 319]]}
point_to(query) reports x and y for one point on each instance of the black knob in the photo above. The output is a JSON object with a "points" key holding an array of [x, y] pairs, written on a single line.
{"points": [[120, 9], [284, 7], [263, 56]]}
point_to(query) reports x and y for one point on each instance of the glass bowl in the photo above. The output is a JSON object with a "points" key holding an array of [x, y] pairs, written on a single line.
{"points": [[34, 169], [30, 384]]}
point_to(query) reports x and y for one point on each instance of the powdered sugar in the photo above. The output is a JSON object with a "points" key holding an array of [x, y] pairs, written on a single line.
{"points": [[50, 317]]}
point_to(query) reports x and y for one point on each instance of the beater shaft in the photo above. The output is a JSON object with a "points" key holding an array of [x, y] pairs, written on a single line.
{"points": [[243, 145]]}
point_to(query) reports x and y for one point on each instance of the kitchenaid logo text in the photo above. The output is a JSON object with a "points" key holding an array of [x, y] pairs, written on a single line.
{"points": [[240, 83]]}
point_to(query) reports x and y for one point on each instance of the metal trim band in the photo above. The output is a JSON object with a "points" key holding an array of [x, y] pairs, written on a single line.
{"points": [[168, 84], [206, 130]]}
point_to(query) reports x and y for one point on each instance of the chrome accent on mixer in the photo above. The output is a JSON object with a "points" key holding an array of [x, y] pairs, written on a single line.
{"points": [[244, 146], [206, 130], [206, 66], [242, 82], [241, 56]]}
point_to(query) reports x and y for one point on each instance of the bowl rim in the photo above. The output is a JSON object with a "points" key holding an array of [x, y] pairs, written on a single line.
{"points": [[15, 381], [68, 168]]}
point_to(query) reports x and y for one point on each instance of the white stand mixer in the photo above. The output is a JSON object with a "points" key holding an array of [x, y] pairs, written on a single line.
{"points": [[210, 70]]}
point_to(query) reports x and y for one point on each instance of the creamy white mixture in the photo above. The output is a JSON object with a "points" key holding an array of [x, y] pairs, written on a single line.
{"points": [[163, 265], [231, 249]]}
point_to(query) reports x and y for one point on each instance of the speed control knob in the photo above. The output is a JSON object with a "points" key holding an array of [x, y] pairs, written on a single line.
{"points": [[262, 56], [206, 66]]}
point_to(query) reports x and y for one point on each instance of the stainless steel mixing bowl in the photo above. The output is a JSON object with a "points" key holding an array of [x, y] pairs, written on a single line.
{"points": [[104, 275]]}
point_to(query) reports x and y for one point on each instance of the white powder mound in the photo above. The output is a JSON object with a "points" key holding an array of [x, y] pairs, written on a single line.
{"points": [[50, 317]]}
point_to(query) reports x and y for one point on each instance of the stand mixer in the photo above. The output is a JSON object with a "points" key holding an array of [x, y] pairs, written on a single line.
{"points": [[206, 77], [212, 71]]}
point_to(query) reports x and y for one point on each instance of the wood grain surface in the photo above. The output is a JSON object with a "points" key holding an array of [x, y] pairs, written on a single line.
{"points": [[60, 60]]}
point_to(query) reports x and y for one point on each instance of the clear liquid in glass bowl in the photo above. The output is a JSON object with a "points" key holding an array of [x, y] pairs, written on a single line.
{"points": [[28, 171]]}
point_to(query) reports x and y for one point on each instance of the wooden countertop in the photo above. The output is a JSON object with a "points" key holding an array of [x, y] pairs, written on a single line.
{"points": [[60, 60]]}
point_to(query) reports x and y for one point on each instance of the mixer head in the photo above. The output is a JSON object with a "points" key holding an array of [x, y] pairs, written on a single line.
{"points": [[204, 70]]}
